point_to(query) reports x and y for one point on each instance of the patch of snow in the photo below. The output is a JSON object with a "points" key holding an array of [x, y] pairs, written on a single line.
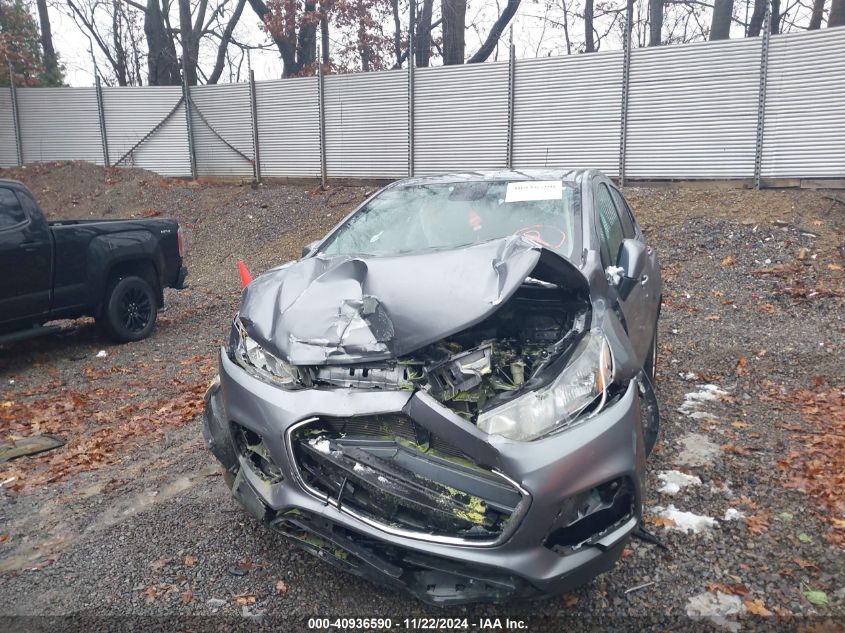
{"points": [[718, 608], [674, 480], [686, 521], [321, 444], [732, 514], [695, 399], [362, 468], [102, 353], [690, 375], [698, 451], [614, 274]]}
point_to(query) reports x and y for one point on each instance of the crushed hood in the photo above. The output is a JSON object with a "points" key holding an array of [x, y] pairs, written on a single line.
{"points": [[346, 309]]}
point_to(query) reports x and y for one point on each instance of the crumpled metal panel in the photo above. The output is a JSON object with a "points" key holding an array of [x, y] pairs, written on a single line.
{"points": [[804, 131], [567, 112], [59, 124], [8, 151], [226, 108], [460, 118], [289, 127], [131, 112], [367, 124], [348, 309], [693, 110]]}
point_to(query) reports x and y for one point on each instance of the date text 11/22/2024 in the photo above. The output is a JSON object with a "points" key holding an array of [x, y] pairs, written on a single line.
{"points": [[418, 624]]}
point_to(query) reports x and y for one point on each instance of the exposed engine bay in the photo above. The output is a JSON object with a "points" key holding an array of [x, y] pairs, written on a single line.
{"points": [[486, 364]]}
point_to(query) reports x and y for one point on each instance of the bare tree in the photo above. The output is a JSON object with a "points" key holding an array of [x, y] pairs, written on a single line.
{"points": [[655, 34], [422, 42], [756, 23], [720, 25], [837, 13], [495, 32], [774, 22], [817, 15], [454, 30], [162, 62], [589, 15], [51, 63]]}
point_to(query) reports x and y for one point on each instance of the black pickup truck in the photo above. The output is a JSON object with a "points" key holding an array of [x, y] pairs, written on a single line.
{"points": [[113, 270]]}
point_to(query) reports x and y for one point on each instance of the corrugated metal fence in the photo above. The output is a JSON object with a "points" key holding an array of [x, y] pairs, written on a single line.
{"points": [[770, 107]]}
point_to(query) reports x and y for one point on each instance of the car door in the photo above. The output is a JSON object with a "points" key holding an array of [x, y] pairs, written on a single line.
{"points": [[634, 307], [25, 259], [650, 280]]}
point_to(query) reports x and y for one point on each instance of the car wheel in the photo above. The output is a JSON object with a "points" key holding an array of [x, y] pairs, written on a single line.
{"points": [[130, 309]]}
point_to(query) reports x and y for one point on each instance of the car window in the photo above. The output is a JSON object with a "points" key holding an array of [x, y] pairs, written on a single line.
{"points": [[445, 215], [625, 216], [11, 213], [610, 226]]}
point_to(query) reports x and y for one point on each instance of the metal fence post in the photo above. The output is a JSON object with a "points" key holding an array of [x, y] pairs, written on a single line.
{"points": [[626, 79], [321, 107], [511, 98], [254, 111], [411, 88], [101, 111], [186, 97], [15, 118], [761, 96]]}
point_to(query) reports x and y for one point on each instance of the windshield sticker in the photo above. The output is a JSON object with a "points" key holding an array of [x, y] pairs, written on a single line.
{"points": [[534, 190]]}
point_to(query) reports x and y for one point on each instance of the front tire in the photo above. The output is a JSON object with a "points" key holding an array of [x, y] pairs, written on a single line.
{"points": [[130, 309]]}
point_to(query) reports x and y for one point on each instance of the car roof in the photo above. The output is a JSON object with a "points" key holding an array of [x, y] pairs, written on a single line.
{"points": [[569, 175], [6, 182]]}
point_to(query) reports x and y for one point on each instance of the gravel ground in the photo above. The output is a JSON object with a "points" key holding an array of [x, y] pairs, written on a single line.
{"points": [[145, 529]]}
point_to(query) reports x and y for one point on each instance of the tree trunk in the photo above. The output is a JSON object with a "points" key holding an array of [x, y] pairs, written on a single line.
{"points": [[454, 31], [225, 38], [51, 64], [397, 33], [495, 32], [837, 13], [190, 47], [161, 60], [422, 39], [285, 44], [117, 42], [655, 32], [775, 21], [756, 23], [720, 26], [589, 40], [816, 16]]}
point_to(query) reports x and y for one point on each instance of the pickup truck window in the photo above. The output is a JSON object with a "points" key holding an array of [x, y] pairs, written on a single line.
{"points": [[11, 213]]}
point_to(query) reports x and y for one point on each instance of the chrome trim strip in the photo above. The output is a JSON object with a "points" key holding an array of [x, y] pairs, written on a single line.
{"points": [[510, 525]]}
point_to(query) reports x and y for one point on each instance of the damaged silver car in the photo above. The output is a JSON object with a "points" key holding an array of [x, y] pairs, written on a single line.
{"points": [[452, 392]]}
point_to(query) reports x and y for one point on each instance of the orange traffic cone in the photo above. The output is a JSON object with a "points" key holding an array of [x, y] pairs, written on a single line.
{"points": [[246, 276]]}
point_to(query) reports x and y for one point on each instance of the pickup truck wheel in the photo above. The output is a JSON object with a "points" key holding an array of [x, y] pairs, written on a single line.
{"points": [[130, 309]]}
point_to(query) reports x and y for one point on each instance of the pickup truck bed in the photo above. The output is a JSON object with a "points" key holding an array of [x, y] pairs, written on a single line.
{"points": [[72, 268]]}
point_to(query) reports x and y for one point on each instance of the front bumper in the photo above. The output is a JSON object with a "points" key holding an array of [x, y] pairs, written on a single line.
{"points": [[546, 549]]}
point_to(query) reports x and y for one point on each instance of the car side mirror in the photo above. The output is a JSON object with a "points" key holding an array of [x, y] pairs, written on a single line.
{"points": [[632, 260], [310, 248]]}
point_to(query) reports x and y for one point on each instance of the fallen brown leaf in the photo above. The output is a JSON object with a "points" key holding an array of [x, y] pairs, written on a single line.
{"points": [[281, 587], [728, 261], [712, 317], [756, 607], [244, 599], [190, 561], [570, 600]]}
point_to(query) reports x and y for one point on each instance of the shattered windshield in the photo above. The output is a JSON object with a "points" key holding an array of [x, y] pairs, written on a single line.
{"points": [[449, 215]]}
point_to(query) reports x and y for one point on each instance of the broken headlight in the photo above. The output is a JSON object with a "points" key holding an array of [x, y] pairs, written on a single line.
{"points": [[558, 405], [259, 362]]}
